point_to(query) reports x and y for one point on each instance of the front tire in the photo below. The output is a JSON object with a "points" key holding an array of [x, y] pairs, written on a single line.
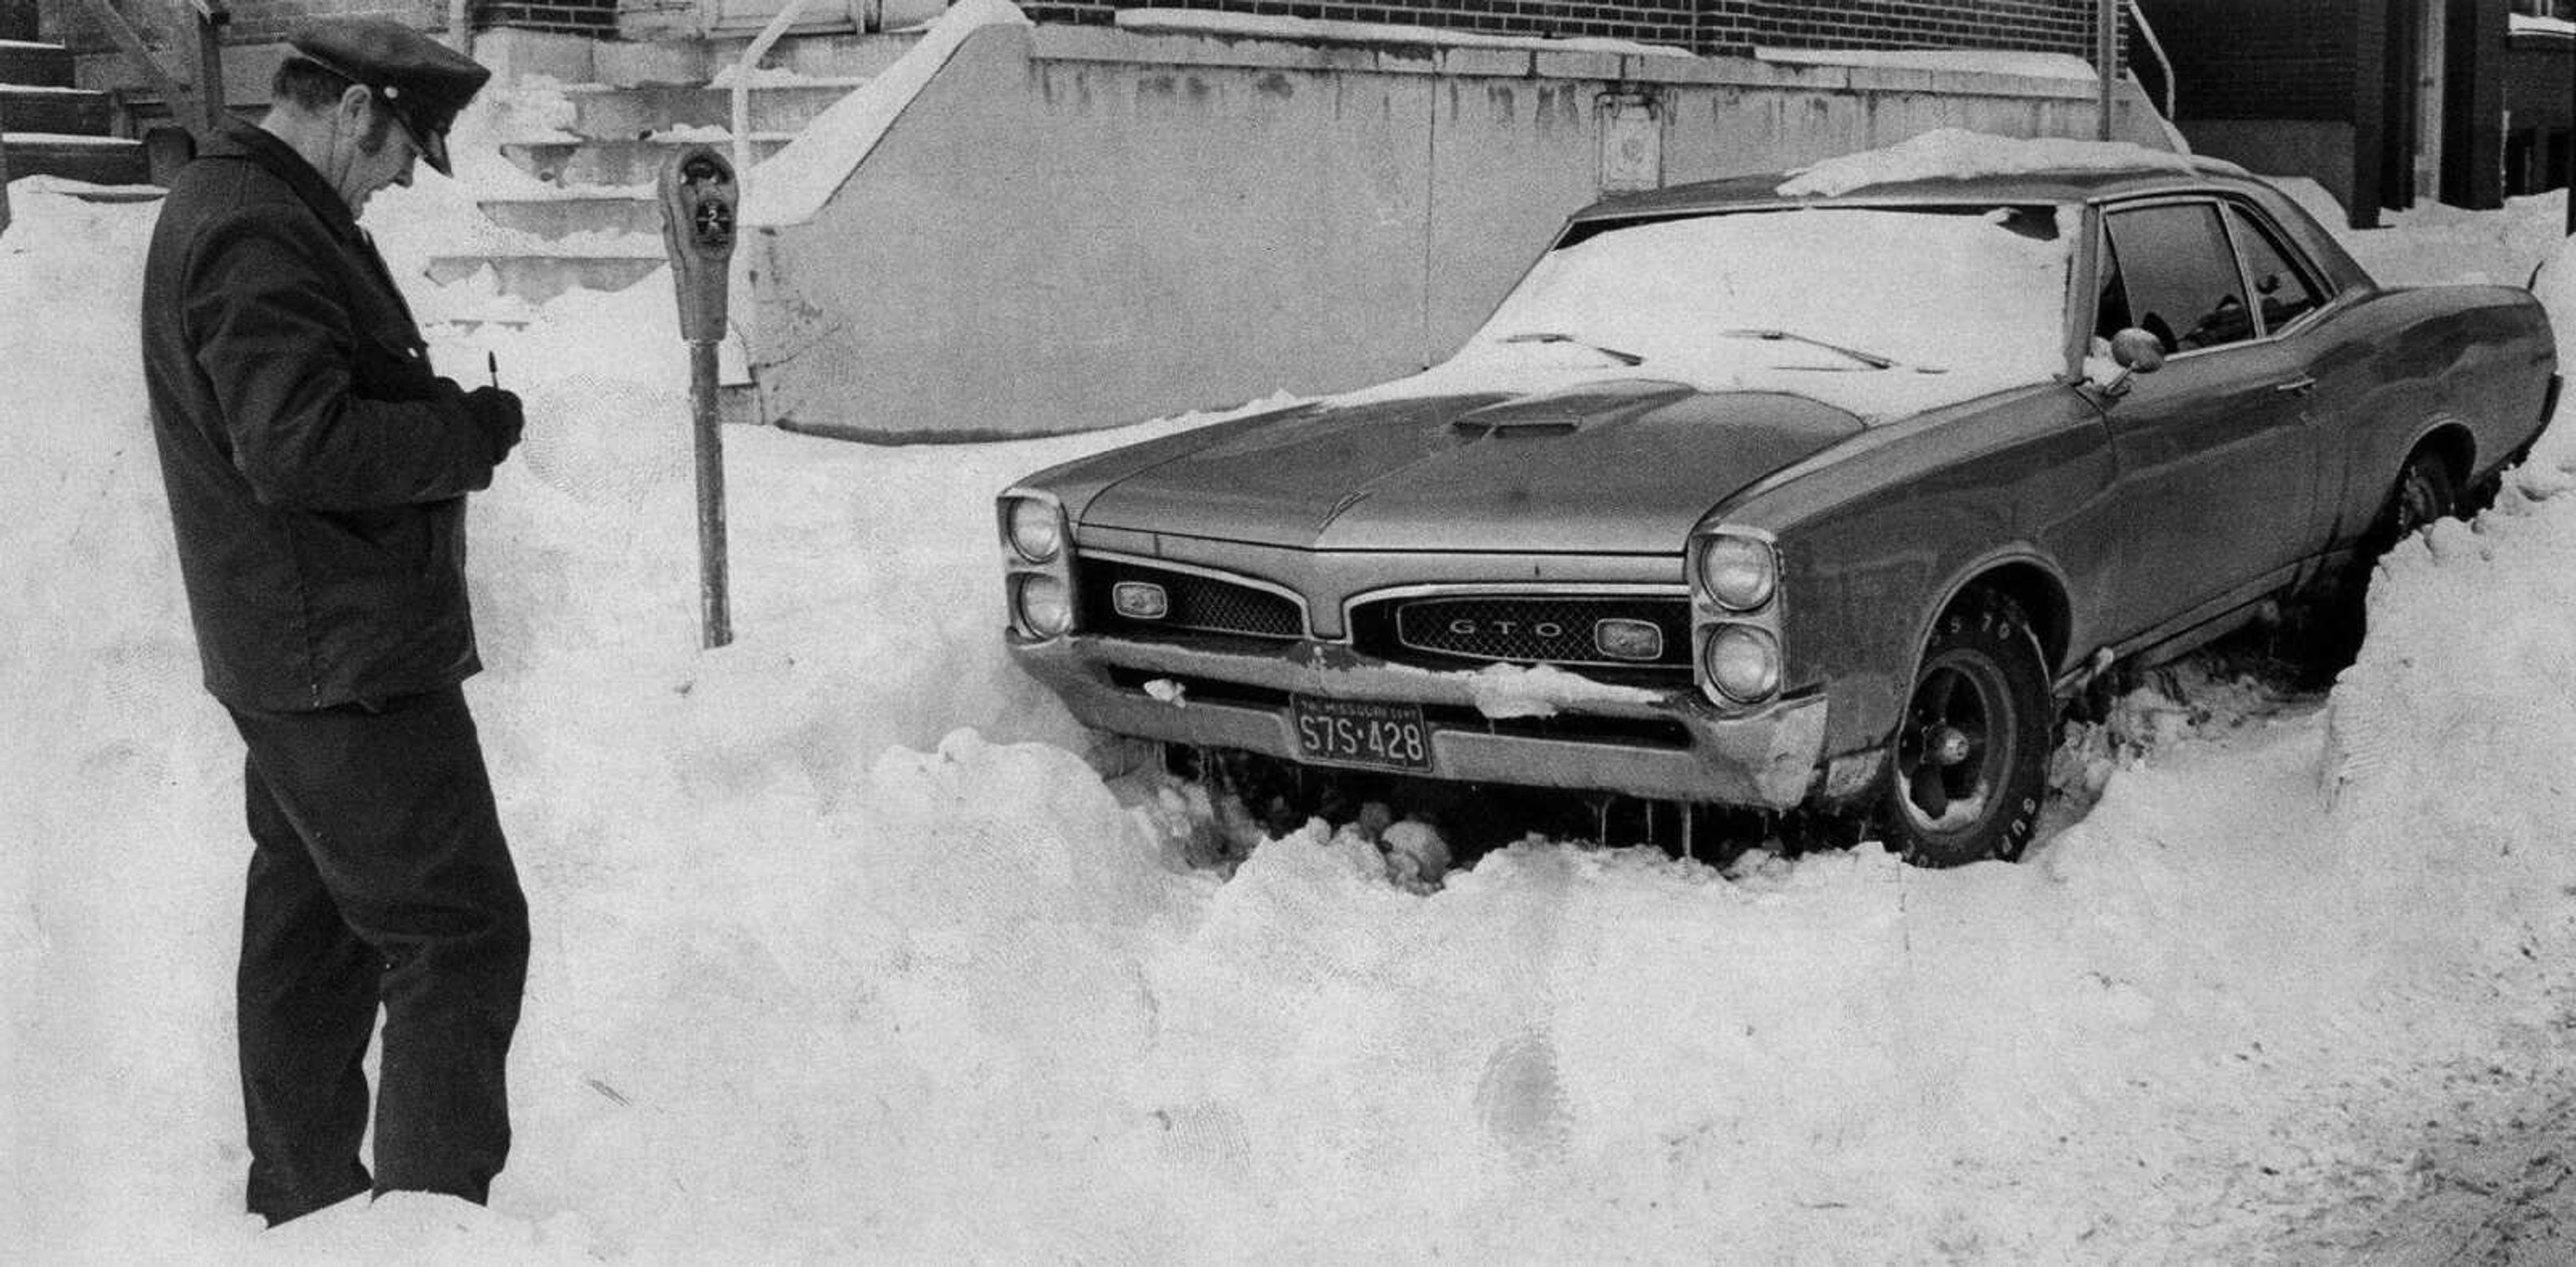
{"points": [[1969, 766]]}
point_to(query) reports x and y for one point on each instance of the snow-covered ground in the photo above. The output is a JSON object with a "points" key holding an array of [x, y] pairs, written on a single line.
{"points": [[846, 952]]}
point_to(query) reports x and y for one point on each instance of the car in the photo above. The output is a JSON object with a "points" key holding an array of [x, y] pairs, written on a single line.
{"points": [[1803, 491]]}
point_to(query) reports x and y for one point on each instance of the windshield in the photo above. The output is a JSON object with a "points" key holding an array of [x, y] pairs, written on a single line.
{"points": [[1876, 291]]}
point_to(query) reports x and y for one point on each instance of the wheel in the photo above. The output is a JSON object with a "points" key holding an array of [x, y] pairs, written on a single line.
{"points": [[2426, 491], [1970, 762], [2326, 633]]}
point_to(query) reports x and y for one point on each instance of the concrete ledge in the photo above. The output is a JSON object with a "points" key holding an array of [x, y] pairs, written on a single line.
{"points": [[515, 55], [1502, 63], [1584, 65], [1066, 43]]}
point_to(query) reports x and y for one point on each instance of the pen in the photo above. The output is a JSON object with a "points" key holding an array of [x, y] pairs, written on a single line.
{"points": [[492, 362]]}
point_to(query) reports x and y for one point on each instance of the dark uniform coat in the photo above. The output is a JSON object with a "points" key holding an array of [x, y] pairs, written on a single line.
{"points": [[316, 468]]}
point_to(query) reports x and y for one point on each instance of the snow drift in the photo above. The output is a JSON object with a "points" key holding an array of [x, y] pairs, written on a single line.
{"points": [[844, 951]]}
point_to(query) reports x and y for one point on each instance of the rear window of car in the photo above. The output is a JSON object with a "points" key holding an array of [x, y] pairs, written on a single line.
{"points": [[2283, 290]]}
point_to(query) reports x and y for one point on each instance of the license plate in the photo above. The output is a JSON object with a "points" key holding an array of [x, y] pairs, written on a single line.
{"points": [[1361, 732]]}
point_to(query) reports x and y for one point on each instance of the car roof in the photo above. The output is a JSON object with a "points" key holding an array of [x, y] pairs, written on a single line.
{"points": [[2085, 184]]}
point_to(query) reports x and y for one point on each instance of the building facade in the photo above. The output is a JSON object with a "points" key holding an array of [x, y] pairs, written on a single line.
{"points": [[1715, 27], [2385, 102]]}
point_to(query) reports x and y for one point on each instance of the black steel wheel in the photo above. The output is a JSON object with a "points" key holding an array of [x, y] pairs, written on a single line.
{"points": [[2426, 492], [1970, 762], [2326, 634]]}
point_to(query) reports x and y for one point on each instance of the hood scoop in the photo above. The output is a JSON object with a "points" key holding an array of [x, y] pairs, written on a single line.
{"points": [[1523, 425], [1568, 411]]}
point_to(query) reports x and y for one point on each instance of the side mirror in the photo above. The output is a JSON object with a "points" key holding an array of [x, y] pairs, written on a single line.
{"points": [[2131, 352], [2138, 351]]}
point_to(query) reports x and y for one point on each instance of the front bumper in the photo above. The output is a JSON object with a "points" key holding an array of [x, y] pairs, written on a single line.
{"points": [[1674, 746]]}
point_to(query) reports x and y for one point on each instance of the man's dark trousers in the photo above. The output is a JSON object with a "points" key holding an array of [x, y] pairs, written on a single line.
{"points": [[380, 876]]}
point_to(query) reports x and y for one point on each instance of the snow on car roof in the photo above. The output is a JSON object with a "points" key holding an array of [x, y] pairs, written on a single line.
{"points": [[1957, 154], [1948, 163]]}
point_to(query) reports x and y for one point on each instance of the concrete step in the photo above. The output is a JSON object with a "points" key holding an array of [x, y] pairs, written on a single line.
{"points": [[538, 277], [610, 112], [562, 217], [620, 162], [73, 111], [39, 65], [97, 159], [696, 62]]}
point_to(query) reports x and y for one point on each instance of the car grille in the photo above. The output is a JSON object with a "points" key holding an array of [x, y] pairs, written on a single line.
{"points": [[1525, 629], [1202, 603]]}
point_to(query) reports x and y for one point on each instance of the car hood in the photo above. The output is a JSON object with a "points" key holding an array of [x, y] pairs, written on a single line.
{"points": [[1624, 466]]}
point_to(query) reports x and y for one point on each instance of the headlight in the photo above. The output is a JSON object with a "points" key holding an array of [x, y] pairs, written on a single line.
{"points": [[1739, 573], [1742, 662], [1044, 606], [1035, 528]]}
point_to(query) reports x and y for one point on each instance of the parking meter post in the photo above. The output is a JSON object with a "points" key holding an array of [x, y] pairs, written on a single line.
{"points": [[715, 621], [698, 206]]}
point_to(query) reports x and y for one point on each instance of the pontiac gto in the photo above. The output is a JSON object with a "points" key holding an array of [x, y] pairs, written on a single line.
{"points": [[1776, 492]]}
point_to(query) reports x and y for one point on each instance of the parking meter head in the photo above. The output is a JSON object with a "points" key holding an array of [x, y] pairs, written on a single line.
{"points": [[698, 230]]}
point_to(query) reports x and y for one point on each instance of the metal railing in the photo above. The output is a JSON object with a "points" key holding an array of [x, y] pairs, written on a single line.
{"points": [[742, 71], [4, 167], [195, 91], [2164, 64]]}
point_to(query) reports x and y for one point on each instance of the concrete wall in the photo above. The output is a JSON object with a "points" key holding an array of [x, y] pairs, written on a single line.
{"points": [[1074, 227]]}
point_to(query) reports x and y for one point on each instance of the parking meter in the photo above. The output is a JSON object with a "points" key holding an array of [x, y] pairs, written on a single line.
{"points": [[698, 202]]}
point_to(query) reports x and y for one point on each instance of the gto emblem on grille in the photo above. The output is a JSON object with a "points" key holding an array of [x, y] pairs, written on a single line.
{"points": [[1622, 639], [1465, 628], [1140, 600]]}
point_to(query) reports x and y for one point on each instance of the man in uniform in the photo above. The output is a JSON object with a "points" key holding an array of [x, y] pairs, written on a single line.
{"points": [[317, 472]]}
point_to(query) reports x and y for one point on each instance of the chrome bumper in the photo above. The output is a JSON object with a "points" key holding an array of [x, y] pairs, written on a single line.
{"points": [[1769, 758]]}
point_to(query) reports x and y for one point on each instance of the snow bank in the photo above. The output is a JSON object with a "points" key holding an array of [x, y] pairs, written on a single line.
{"points": [[1945, 60]]}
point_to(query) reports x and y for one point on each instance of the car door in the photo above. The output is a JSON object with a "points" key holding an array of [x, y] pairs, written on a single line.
{"points": [[2217, 461]]}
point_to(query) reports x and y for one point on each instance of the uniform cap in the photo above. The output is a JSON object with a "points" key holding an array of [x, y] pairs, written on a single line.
{"points": [[421, 82]]}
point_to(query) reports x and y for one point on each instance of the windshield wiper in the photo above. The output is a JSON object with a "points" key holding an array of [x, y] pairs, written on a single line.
{"points": [[1624, 358], [1870, 359]]}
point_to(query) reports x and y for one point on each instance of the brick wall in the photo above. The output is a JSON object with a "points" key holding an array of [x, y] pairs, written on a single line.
{"points": [[586, 17], [260, 21], [1709, 26], [2047, 26], [1732, 27]]}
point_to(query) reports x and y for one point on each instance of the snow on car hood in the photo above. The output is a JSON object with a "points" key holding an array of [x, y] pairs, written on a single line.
{"points": [[1881, 312], [1591, 464]]}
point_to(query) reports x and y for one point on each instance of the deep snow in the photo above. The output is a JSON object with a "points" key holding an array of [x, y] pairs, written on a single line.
{"points": [[845, 952]]}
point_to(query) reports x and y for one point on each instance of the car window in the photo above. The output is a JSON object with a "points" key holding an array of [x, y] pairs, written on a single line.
{"points": [[2179, 275], [2281, 288]]}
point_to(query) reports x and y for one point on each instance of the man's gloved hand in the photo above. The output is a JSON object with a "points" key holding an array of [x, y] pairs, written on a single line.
{"points": [[498, 414]]}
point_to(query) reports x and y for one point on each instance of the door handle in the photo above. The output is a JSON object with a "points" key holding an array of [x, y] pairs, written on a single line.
{"points": [[2299, 386]]}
